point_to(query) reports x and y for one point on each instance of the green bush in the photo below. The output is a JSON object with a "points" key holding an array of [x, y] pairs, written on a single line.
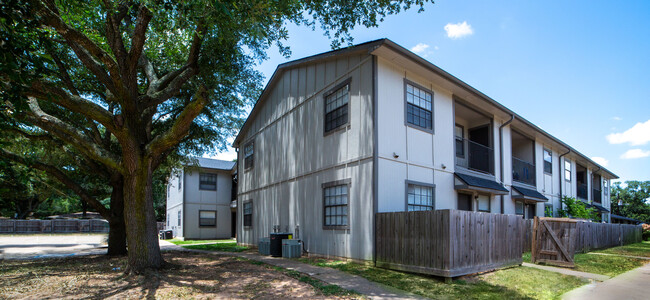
{"points": [[577, 209]]}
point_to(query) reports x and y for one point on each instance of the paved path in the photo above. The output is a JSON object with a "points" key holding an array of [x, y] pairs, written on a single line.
{"points": [[621, 255], [35, 246], [569, 272], [359, 284], [632, 285]]}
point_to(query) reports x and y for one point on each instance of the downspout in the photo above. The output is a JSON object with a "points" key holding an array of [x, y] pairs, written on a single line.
{"points": [[559, 159], [512, 118]]}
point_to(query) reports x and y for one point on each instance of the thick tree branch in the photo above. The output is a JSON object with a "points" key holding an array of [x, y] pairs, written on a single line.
{"points": [[33, 137], [138, 39], [61, 177]]}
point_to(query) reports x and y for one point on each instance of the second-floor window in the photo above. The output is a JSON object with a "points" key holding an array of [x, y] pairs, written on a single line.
{"points": [[208, 181], [249, 155], [419, 109], [567, 170], [336, 107], [460, 135], [548, 161]]}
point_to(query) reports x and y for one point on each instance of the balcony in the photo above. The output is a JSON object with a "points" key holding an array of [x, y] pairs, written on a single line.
{"points": [[523, 171], [582, 191], [478, 157]]}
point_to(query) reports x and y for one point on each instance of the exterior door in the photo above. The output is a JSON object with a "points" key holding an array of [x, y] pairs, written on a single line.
{"points": [[479, 149], [465, 202]]}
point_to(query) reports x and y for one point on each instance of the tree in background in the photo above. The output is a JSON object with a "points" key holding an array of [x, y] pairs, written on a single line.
{"points": [[149, 75], [632, 200]]}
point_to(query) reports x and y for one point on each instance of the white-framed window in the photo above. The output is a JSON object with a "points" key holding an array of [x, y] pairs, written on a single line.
{"points": [[419, 106], [335, 205], [567, 170], [249, 155], [336, 106], [419, 197], [459, 134], [606, 186], [207, 218], [207, 181], [483, 203], [180, 182], [548, 161]]}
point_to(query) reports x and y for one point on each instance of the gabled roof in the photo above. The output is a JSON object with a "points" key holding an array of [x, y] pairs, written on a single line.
{"points": [[371, 47], [210, 163]]}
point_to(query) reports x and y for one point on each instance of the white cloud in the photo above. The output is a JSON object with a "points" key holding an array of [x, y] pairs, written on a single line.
{"points": [[616, 118], [635, 153], [601, 161], [420, 48], [639, 134], [458, 30]]}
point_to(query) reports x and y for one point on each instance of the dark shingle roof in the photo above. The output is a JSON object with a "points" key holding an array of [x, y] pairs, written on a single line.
{"points": [[529, 193], [480, 182], [210, 163]]}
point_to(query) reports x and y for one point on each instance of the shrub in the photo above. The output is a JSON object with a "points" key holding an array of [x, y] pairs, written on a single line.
{"points": [[577, 209]]}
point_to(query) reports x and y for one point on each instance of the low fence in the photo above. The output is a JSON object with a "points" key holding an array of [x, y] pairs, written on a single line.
{"points": [[53, 226], [448, 243]]}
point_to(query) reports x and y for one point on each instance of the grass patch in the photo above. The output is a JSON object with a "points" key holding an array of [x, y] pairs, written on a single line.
{"points": [[322, 287], [190, 242], [222, 246], [512, 283], [639, 249]]}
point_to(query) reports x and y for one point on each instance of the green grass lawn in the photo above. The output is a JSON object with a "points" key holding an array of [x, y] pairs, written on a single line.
{"points": [[638, 249], [190, 242], [512, 283], [230, 246], [605, 264]]}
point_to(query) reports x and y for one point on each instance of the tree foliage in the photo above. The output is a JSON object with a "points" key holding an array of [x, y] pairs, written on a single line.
{"points": [[632, 200], [577, 209]]}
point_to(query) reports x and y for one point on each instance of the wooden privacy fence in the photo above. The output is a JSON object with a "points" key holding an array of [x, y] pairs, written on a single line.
{"points": [[448, 243], [53, 226]]}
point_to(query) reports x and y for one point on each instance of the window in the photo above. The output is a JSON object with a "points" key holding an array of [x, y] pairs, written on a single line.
{"points": [[464, 202], [548, 161], [179, 218], [483, 203], [249, 155], [605, 186], [459, 132], [419, 197], [180, 182], [519, 208], [335, 204], [567, 170], [167, 220], [248, 214], [418, 107], [336, 107], [208, 181], [208, 218]]}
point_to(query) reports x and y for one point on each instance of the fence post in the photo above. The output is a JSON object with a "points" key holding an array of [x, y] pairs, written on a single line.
{"points": [[14, 221]]}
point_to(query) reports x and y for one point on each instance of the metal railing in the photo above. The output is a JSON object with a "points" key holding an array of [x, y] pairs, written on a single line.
{"points": [[523, 171], [582, 191], [475, 156]]}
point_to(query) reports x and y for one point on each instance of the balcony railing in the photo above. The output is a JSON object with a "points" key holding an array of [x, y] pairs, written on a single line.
{"points": [[523, 171], [475, 156], [595, 194], [582, 191]]}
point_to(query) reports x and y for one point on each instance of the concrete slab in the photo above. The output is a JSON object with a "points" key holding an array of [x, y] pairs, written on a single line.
{"points": [[591, 276], [36, 246], [631, 285]]}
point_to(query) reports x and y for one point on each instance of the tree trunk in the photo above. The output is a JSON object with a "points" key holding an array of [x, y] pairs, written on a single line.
{"points": [[140, 218], [117, 227]]}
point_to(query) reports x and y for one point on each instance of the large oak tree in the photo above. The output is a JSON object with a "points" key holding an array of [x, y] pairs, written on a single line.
{"points": [[147, 75]]}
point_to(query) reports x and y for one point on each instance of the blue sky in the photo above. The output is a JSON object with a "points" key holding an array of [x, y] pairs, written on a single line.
{"points": [[578, 69]]}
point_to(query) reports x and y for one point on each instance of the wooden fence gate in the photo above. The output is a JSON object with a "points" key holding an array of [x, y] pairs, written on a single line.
{"points": [[554, 241]]}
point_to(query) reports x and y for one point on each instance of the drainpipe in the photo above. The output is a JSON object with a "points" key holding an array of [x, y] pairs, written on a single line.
{"points": [[512, 118], [559, 159]]}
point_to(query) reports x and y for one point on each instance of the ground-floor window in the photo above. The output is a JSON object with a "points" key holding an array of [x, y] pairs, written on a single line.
{"points": [[335, 204], [248, 213], [207, 218], [179, 218], [519, 208], [419, 197], [464, 202], [483, 203]]}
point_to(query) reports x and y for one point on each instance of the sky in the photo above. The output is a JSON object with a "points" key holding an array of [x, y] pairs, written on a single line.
{"points": [[580, 70]]}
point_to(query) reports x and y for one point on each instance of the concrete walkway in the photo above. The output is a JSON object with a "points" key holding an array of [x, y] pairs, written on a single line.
{"points": [[591, 276], [347, 281], [621, 255], [633, 284]]}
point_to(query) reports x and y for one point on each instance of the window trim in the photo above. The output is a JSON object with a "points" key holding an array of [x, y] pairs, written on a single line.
{"points": [[544, 161], [252, 142], [327, 94], [243, 220], [406, 192], [215, 218], [462, 140], [406, 123], [570, 170], [215, 181], [325, 185]]}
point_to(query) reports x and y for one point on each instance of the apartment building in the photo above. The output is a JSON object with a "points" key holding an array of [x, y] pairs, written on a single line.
{"points": [[199, 200], [337, 137]]}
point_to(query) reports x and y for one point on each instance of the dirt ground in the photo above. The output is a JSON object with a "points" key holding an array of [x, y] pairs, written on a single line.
{"points": [[187, 275]]}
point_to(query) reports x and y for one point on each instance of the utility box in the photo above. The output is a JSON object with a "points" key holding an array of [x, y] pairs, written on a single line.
{"points": [[291, 248], [166, 234], [264, 246], [276, 242]]}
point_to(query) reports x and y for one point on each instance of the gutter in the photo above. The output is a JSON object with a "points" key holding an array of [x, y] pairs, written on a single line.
{"points": [[512, 118]]}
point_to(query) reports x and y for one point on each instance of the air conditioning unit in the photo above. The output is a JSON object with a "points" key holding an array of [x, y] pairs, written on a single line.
{"points": [[264, 246], [291, 248]]}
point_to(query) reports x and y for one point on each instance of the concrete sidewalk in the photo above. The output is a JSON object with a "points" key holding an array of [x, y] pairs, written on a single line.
{"points": [[347, 281], [564, 271], [633, 284]]}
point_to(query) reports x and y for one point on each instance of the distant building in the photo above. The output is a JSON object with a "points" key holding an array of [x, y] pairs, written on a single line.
{"points": [[198, 200]]}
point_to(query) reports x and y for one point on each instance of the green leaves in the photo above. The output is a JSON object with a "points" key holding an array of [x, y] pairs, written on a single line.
{"points": [[632, 200], [577, 209]]}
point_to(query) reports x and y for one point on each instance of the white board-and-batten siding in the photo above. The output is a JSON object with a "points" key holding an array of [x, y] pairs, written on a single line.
{"points": [[293, 158]]}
